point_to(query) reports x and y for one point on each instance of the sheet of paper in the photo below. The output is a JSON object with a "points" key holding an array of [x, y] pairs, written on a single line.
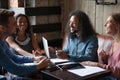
{"points": [[58, 60], [86, 71], [30, 63]]}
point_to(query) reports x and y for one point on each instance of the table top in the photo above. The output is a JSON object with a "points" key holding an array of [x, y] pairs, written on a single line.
{"points": [[65, 75]]}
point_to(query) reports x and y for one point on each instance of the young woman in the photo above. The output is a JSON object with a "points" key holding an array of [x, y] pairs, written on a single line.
{"points": [[111, 60], [24, 41]]}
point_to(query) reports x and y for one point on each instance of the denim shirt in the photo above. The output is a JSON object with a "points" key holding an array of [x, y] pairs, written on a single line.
{"points": [[81, 51], [15, 63]]}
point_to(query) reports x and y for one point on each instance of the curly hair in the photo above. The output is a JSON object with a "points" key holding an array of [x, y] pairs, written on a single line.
{"points": [[85, 28]]}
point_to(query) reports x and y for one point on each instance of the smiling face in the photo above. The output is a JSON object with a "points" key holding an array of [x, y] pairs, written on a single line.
{"points": [[22, 23], [74, 24], [110, 26]]}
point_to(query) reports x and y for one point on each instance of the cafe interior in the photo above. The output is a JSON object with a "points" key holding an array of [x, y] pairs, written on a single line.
{"points": [[49, 18]]}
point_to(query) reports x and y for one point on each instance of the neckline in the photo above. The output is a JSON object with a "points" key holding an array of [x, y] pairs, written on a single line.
{"points": [[25, 42]]}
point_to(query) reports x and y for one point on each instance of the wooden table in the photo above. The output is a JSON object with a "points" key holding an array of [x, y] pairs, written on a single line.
{"points": [[65, 75]]}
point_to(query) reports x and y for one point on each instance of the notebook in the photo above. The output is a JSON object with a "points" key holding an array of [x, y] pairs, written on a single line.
{"points": [[70, 66], [53, 60]]}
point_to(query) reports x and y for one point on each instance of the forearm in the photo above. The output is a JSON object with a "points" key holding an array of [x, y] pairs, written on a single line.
{"points": [[24, 53], [22, 69], [16, 47], [19, 58], [18, 69], [100, 65], [35, 43]]}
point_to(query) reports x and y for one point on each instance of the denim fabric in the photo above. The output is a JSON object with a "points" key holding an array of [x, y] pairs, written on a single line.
{"points": [[81, 50], [15, 63], [17, 78], [2, 77]]}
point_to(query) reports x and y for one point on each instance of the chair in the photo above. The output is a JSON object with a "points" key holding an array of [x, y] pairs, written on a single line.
{"points": [[105, 43]]}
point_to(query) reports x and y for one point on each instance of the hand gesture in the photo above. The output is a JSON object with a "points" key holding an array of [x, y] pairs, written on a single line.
{"points": [[62, 55], [102, 53], [37, 52], [43, 63], [38, 58]]}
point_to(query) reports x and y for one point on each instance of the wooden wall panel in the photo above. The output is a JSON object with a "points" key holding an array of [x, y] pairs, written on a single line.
{"points": [[54, 2], [88, 6], [91, 11], [41, 3], [97, 13], [109, 9], [54, 18], [65, 13], [42, 19], [36, 11], [46, 21], [99, 19], [30, 3]]}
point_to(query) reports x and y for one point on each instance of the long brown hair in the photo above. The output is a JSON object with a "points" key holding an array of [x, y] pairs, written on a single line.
{"points": [[116, 18], [85, 28]]}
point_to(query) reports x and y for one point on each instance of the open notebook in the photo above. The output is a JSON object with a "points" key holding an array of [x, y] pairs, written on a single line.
{"points": [[53, 60]]}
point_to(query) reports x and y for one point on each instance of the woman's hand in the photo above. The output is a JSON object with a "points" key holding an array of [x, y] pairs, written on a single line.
{"points": [[43, 63], [37, 52], [62, 55], [102, 54], [89, 63], [38, 58]]}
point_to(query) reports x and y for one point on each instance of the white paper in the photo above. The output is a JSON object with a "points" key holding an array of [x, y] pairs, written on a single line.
{"points": [[58, 60], [30, 63], [86, 71], [67, 63]]}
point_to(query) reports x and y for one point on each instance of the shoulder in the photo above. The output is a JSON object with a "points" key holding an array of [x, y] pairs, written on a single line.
{"points": [[93, 37], [2, 44], [10, 38], [105, 37]]}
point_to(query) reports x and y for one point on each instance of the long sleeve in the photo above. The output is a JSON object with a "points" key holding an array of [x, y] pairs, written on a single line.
{"points": [[11, 65], [17, 58], [114, 63], [82, 51]]}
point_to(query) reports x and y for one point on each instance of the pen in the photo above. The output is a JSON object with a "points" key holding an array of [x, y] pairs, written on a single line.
{"points": [[59, 68], [57, 51], [37, 51]]}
